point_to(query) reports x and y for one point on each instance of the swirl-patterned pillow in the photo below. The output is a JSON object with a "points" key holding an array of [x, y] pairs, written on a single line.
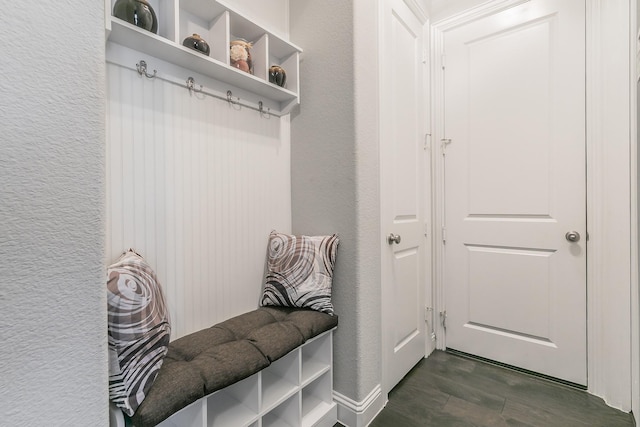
{"points": [[300, 271], [139, 330]]}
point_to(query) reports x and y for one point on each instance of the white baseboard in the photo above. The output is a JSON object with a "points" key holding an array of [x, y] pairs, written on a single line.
{"points": [[359, 414]]}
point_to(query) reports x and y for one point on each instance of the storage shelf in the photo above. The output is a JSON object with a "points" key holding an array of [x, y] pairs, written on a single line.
{"points": [[130, 36], [218, 23]]}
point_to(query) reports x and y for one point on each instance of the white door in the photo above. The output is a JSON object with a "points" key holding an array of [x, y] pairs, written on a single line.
{"points": [[515, 281], [402, 166]]}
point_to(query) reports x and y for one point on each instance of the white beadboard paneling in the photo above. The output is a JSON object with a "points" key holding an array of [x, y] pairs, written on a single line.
{"points": [[195, 186]]}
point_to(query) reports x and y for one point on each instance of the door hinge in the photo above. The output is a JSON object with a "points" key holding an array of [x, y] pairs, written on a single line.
{"points": [[443, 319], [442, 59], [426, 229], [444, 142], [427, 313], [444, 234], [427, 141], [428, 318]]}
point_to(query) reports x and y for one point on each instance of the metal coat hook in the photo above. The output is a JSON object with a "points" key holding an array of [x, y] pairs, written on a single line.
{"points": [[262, 112], [191, 85], [142, 70], [231, 101]]}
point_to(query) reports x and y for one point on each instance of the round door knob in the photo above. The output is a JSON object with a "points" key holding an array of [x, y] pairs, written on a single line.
{"points": [[572, 236], [393, 238]]}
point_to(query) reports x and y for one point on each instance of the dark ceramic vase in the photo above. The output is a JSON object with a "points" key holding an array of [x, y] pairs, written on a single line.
{"points": [[137, 12], [196, 42], [277, 75]]}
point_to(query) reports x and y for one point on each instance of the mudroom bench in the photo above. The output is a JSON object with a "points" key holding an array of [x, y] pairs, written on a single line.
{"points": [[268, 367]]}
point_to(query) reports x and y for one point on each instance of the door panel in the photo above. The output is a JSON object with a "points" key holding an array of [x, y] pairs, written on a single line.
{"points": [[510, 69], [402, 166], [515, 287]]}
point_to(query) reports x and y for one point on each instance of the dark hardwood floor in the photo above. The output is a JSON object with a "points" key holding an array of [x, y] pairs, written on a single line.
{"points": [[447, 390]]}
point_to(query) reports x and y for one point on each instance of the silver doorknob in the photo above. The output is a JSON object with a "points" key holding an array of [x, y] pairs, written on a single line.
{"points": [[393, 238], [572, 236]]}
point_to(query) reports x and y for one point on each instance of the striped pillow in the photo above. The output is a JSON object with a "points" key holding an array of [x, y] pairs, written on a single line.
{"points": [[139, 330], [300, 271]]}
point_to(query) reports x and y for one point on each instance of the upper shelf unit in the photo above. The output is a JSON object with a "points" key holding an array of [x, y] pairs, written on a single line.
{"points": [[218, 24]]}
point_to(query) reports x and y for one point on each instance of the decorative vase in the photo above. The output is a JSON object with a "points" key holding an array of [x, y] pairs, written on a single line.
{"points": [[240, 55], [137, 12], [196, 42], [277, 75]]}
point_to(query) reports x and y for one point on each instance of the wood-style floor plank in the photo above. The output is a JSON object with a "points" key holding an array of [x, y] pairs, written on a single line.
{"points": [[449, 390]]}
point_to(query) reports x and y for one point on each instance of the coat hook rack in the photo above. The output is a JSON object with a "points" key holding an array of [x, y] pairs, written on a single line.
{"points": [[142, 70], [234, 101]]}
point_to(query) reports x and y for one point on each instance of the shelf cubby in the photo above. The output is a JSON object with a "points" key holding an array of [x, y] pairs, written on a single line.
{"points": [[286, 414], [280, 380], [317, 400], [316, 358], [236, 405]]}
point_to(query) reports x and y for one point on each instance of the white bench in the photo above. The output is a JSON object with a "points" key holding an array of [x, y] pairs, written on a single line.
{"points": [[268, 367]]}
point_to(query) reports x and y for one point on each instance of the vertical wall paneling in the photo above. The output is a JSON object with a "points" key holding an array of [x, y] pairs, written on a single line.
{"points": [[195, 185]]}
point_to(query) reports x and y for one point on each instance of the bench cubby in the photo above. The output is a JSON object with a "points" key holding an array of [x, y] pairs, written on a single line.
{"points": [[295, 390]]}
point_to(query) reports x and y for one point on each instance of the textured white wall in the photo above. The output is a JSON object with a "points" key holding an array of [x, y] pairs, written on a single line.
{"points": [[53, 360], [334, 169]]}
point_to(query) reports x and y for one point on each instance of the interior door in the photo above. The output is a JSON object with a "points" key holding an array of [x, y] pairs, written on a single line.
{"points": [[402, 191], [515, 218]]}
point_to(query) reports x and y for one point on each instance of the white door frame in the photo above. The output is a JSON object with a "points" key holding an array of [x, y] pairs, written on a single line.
{"points": [[609, 173], [634, 56]]}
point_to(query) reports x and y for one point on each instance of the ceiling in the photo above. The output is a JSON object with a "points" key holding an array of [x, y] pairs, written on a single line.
{"points": [[441, 9]]}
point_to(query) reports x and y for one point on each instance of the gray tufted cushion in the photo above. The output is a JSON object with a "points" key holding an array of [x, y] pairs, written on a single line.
{"points": [[211, 359]]}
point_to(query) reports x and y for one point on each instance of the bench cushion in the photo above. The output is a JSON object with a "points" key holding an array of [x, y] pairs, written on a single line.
{"points": [[211, 359]]}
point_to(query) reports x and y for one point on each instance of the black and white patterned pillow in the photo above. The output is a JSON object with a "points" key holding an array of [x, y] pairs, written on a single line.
{"points": [[138, 330], [300, 271]]}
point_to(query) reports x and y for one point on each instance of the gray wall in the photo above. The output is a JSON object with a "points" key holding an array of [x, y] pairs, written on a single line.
{"points": [[53, 360], [334, 171]]}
